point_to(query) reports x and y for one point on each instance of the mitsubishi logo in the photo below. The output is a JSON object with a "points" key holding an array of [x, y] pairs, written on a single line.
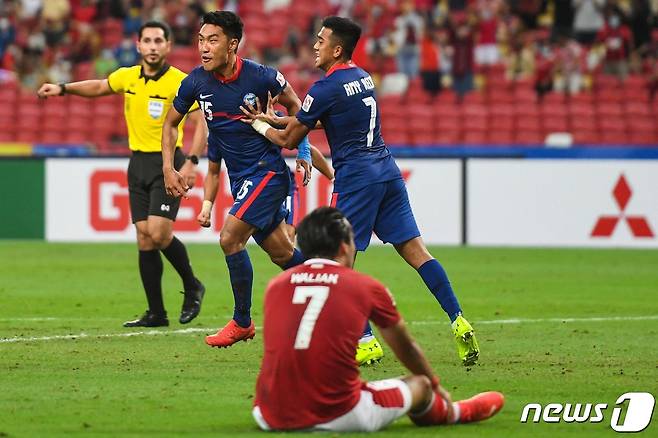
{"points": [[605, 225]]}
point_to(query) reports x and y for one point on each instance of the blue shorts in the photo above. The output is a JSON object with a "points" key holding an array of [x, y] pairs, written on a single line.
{"points": [[292, 202], [259, 201], [383, 208]]}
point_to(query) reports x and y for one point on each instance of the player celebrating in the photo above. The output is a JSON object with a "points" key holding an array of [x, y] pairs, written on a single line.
{"points": [[292, 200], [149, 89], [313, 318], [368, 188], [259, 175]]}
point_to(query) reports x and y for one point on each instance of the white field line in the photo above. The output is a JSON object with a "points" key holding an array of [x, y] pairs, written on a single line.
{"points": [[109, 335], [211, 330], [540, 320]]}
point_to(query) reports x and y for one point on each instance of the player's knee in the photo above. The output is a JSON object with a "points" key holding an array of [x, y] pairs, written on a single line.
{"points": [[144, 242], [282, 257], [421, 392], [420, 386], [160, 238], [424, 389], [414, 252], [424, 384], [229, 242]]}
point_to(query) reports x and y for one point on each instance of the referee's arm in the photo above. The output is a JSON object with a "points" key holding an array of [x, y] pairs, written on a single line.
{"points": [[90, 88]]}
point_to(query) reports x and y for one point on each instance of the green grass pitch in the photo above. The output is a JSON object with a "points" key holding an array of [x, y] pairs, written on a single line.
{"points": [[102, 383]]}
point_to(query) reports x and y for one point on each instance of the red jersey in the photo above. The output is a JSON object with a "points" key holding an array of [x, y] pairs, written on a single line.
{"points": [[616, 41], [488, 30], [314, 317]]}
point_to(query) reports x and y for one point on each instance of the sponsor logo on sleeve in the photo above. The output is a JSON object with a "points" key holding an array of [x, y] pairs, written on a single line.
{"points": [[280, 79], [308, 101]]}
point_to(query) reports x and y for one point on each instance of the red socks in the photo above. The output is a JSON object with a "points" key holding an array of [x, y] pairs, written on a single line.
{"points": [[436, 413]]}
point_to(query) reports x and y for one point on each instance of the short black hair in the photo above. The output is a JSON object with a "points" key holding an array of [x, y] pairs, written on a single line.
{"points": [[230, 23], [322, 231], [346, 31], [155, 23]]}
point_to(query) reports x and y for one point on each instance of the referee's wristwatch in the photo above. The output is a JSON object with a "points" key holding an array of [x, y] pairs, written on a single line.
{"points": [[193, 158]]}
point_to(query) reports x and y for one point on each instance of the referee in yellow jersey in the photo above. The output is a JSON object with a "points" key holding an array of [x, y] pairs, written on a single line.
{"points": [[149, 90]]}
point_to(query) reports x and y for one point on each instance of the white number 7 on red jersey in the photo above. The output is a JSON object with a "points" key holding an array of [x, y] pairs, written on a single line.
{"points": [[318, 295]]}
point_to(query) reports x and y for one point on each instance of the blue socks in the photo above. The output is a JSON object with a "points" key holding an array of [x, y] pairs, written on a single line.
{"points": [[367, 331], [296, 259], [437, 282], [242, 276]]}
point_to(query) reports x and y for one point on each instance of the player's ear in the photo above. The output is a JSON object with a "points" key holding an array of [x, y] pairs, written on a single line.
{"points": [[233, 44], [338, 52]]}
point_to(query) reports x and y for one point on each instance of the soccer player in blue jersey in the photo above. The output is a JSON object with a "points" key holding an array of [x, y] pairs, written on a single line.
{"points": [[368, 186], [259, 176]]}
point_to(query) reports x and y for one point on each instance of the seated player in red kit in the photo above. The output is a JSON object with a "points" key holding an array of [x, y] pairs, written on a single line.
{"points": [[314, 317]]}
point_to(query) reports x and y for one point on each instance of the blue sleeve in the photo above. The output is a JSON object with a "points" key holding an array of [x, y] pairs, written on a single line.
{"points": [[214, 153], [185, 96], [274, 80], [316, 103]]}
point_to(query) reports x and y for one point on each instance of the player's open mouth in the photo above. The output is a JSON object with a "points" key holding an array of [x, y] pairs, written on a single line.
{"points": [[205, 59]]}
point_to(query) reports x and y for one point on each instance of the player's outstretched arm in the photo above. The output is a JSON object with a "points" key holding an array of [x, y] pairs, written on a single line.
{"points": [[288, 138], [210, 186], [175, 184], [274, 118], [199, 143], [321, 164], [288, 98], [90, 88]]}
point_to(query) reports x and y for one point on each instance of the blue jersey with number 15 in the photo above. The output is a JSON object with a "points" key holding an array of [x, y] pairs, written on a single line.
{"points": [[344, 101], [245, 152]]}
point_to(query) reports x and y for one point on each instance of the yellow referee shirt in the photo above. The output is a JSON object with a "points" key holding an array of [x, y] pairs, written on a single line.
{"points": [[146, 102]]}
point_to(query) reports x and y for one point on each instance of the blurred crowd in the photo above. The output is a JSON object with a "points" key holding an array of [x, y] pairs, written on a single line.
{"points": [[560, 45], [46, 39]]}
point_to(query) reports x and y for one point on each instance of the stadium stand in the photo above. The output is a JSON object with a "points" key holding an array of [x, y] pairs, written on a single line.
{"points": [[531, 77]]}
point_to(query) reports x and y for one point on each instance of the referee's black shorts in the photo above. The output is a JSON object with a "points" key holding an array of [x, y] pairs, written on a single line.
{"points": [[146, 186]]}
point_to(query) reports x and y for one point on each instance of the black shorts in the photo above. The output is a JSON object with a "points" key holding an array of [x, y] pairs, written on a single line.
{"points": [[146, 186]]}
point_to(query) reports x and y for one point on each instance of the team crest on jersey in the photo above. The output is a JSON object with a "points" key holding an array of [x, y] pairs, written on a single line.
{"points": [[308, 101], [156, 108], [249, 99], [280, 79]]}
